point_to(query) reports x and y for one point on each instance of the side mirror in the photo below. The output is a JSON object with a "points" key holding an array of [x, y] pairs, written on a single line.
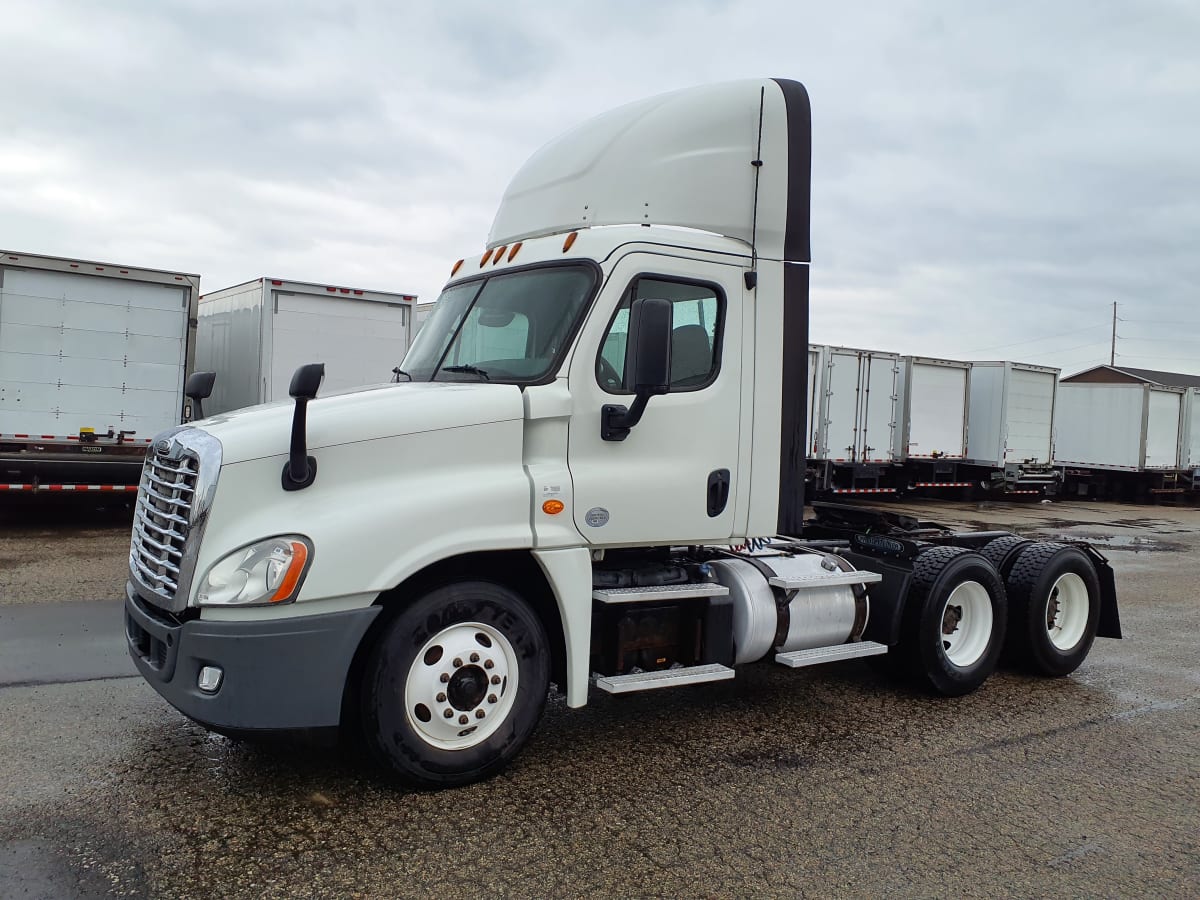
{"points": [[647, 361], [301, 469], [199, 387], [306, 381], [649, 346]]}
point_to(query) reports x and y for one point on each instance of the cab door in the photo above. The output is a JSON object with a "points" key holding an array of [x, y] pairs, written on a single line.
{"points": [[674, 478]]}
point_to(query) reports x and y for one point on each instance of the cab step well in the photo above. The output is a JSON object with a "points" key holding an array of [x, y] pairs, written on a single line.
{"points": [[649, 681], [818, 655]]}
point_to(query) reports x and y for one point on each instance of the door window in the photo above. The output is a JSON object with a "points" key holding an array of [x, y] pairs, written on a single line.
{"points": [[696, 313]]}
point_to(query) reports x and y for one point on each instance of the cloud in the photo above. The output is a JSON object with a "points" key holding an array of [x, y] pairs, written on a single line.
{"points": [[982, 174]]}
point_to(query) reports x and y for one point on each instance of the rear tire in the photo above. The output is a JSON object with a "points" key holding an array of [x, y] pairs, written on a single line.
{"points": [[1054, 595], [954, 621], [1003, 552], [455, 685]]}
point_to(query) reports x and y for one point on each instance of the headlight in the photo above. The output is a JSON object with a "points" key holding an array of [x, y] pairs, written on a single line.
{"points": [[269, 571]]}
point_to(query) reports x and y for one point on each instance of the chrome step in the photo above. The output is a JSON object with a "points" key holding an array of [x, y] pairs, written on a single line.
{"points": [[658, 592], [841, 579], [818, 655], [648, 681]]}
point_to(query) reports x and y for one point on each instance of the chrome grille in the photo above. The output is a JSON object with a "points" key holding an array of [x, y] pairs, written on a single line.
{"points": [[162, 520]]}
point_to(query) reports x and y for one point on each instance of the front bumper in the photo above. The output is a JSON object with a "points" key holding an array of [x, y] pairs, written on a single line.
{"points": [[279, 674]]}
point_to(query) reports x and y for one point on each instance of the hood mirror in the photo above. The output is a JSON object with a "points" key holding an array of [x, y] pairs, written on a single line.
{"points": [[301, 469], [199, 387]]}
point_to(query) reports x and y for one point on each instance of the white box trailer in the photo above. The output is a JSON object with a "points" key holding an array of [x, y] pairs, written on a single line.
{"points": [[1119, 427], [255, 335], [1190, 451], [1010, 419], [814, 396], [93, 358], [856, 420], [932, 408]]}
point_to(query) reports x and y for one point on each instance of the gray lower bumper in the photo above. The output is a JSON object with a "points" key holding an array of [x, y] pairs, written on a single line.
{"points": [[283, 674]]}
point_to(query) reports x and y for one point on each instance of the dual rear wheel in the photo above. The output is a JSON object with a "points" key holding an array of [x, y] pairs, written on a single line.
{"points": [[1038, 604]]}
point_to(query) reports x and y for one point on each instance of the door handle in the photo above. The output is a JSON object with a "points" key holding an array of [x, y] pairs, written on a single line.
{"points": [[718, 492]]}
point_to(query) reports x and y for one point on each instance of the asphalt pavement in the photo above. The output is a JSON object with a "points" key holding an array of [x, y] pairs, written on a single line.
{"points": [[823, 782], [50, 643]]}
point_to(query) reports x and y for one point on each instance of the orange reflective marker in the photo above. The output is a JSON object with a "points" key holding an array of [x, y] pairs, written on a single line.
{"points": [[570, 241], [288, 585], [553, 507], [513, 251], [457, 266], [499, 253], [486, 257]]}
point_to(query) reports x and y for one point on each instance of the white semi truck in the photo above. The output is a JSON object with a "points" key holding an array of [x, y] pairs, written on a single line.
{"points": [[608, 404], [93, 358]]}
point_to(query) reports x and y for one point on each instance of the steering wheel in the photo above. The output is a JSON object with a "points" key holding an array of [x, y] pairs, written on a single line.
{"points": [[608, 375]]}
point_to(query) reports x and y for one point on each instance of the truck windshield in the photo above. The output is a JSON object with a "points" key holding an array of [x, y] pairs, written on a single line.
{"points": [[508, 327]]}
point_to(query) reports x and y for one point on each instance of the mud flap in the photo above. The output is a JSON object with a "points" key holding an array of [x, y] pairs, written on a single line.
{"points": [[1110, 620]]}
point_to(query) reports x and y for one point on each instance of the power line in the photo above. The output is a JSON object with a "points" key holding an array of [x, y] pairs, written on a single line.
{"points": [[1044, 337]]}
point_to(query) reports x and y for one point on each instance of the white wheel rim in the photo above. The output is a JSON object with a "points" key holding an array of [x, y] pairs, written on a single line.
{"points": [[1067, 609], [966, 624], [468, 670]]}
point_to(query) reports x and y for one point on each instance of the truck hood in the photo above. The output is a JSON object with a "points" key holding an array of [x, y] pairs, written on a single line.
{"points": [[386, 410]]}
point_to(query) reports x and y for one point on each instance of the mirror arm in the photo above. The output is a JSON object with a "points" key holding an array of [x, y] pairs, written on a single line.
{"points": [[616, 421]]}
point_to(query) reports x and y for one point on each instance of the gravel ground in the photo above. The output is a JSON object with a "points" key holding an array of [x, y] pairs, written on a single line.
{"points": [[62, 549], [824, 782]]}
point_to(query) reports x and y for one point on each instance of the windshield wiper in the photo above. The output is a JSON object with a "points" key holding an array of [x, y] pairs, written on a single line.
{"points": [[468, 369]]}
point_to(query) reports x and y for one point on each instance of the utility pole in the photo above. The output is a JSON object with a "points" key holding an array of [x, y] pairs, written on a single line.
{"points": [[1112, 356]]}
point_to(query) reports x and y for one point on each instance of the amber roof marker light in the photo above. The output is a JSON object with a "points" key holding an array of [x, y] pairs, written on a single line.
{"points": [[457, 266], [570, 241], [513, 252]]}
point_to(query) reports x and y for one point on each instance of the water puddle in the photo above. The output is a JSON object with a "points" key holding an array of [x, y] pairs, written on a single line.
{"points": [[1130, 543]]}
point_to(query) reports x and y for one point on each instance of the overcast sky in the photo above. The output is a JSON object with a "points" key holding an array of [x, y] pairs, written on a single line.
{"points": [[987, 178]]}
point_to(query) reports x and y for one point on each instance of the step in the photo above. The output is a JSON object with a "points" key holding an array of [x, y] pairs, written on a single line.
{"points": [[838, 579], [818, 655], [658, 592], [648, 681]]}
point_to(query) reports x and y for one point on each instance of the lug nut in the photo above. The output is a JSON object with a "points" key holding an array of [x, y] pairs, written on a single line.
{"points": [[495, 679], [479, 714], [489, 664], [457, 663], [463, 720], [441, 698], [491, 698], [474, 657], [445, 678], [449, 714]]}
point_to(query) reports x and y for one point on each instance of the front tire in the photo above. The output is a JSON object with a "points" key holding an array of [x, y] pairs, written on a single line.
{"points": [[455, 685], [954, 621], [1054, 593]]}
